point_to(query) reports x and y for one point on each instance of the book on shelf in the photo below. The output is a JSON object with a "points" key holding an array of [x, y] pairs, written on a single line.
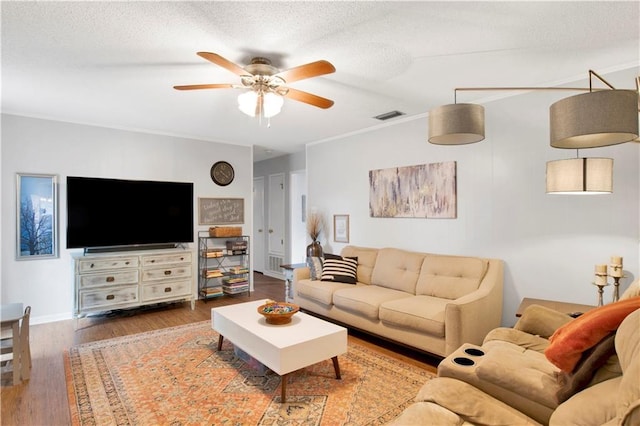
{"points": [[237, 270], [212, 273], [238, 280], [212, 291], [236, 252], [214, 252], [236, 245], [235, 289]]}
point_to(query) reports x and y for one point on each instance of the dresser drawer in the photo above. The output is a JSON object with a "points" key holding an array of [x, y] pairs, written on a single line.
{"points": [[170, 272], [108, 298], [166, 290], [97, 264], [112, 278], [166, 259]]}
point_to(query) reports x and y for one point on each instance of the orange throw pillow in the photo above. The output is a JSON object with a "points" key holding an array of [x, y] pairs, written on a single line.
{"points": [[572, 339]]}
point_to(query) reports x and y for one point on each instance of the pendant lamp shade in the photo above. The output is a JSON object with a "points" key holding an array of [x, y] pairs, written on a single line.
{"points": [[580, 176], [594, 119], [456, 124]]}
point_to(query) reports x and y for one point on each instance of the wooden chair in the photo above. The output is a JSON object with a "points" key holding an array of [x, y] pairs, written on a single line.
{"points": [[17, 355]]}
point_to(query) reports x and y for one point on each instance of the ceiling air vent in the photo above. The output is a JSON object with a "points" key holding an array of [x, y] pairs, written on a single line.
{"points": [[388, 115]]}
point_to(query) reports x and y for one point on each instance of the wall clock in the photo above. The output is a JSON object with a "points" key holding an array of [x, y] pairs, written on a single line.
{"points": [[222, 173]]}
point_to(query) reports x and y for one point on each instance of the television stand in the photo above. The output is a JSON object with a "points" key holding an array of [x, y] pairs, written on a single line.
{"points": [[118, 280]]}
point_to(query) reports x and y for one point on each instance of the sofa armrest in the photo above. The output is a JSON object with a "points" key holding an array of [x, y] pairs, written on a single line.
{"points": [[301, 274], [469, 318], [594, 406]]}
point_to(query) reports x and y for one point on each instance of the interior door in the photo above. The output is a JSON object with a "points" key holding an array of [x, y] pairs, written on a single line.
{"points": [[276, 219], [258, 240]]}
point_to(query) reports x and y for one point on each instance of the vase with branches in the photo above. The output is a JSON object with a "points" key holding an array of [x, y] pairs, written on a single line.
{"points": [[315, 226]]}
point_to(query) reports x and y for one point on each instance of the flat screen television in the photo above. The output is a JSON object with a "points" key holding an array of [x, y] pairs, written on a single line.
{"points": [[117, 213]]}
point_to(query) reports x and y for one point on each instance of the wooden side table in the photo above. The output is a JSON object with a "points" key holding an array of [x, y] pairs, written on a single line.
{"points": [[288, 279], [565, 307]]}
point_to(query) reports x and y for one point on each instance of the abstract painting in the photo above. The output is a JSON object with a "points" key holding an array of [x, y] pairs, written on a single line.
{"points": [[426, 190]]}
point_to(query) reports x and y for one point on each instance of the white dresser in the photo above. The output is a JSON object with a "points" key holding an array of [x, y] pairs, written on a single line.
{"points": [[117, 280]]}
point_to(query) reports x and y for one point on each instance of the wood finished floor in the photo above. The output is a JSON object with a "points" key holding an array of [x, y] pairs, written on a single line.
{"points": [[42, 400]]}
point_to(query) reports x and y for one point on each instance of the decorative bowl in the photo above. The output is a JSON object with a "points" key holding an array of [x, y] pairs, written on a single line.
{"points": [[278, 313]]}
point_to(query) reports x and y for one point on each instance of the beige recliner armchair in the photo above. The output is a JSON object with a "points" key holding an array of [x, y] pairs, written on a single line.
{"points": [[508, 380]]}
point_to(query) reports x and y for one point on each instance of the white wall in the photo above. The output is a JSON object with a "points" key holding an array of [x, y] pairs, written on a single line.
{"points": [[32, 145], [550, 243]]}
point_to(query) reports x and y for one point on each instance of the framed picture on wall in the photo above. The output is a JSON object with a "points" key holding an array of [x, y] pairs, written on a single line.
{"points": [[341, 228], [37, 216]]}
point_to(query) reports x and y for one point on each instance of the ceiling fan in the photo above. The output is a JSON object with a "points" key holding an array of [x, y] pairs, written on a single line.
{"points": [[267, 85]]}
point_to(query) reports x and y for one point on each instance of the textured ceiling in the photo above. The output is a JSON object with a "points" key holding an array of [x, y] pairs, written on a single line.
{"points": [[114, 63]]}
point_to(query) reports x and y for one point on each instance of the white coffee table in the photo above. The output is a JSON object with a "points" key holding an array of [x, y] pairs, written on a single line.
{"points": [[306, 340]]}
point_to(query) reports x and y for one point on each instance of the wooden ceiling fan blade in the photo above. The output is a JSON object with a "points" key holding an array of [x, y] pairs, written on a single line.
{"points": [[308, 98], [224, 63], [204, 86], [312, 69]]}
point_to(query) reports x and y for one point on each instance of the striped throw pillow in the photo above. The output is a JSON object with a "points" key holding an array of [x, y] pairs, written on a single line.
{"points": [[340, 269]]}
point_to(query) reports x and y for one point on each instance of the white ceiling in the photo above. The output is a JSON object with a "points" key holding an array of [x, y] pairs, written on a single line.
{"points": [[114, 64]]}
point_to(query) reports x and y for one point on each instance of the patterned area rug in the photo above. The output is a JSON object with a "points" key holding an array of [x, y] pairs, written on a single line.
{"points": [[176, 376]]}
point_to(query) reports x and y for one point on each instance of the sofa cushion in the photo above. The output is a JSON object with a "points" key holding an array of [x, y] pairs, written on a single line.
{"points": [[450, 277], [593, 406], [314, 263], [422, 313], [516, 337], [632, 291], [628, 349], [470, 403], [541, 321], [365, 299], [521, 371], [572, 339], [339, 269], [397, 269], [417, 414], [366, 261], [319, 291]]}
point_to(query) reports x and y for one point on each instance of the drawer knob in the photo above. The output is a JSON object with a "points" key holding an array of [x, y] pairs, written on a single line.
{"points": [[111, 279], [91, 266], [110, 297], [153, 261], [167, 272], [167, 289]]}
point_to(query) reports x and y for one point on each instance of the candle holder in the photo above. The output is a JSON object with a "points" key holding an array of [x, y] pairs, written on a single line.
{"points": [[615, 272], [616, 288], [600, 292]]}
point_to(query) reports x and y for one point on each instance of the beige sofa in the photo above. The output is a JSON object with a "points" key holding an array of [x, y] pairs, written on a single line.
{"points": [[430, 302], [511, 381]]}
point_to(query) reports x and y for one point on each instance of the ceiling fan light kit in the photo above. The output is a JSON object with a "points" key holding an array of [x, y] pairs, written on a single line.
{"points": [[601, 117], [260, 104], [267, 84]]}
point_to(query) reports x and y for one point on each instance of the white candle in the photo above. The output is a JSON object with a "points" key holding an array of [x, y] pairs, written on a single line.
{"points": [[601, 269], [616, 260], [601, 279], [616, 271]]}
